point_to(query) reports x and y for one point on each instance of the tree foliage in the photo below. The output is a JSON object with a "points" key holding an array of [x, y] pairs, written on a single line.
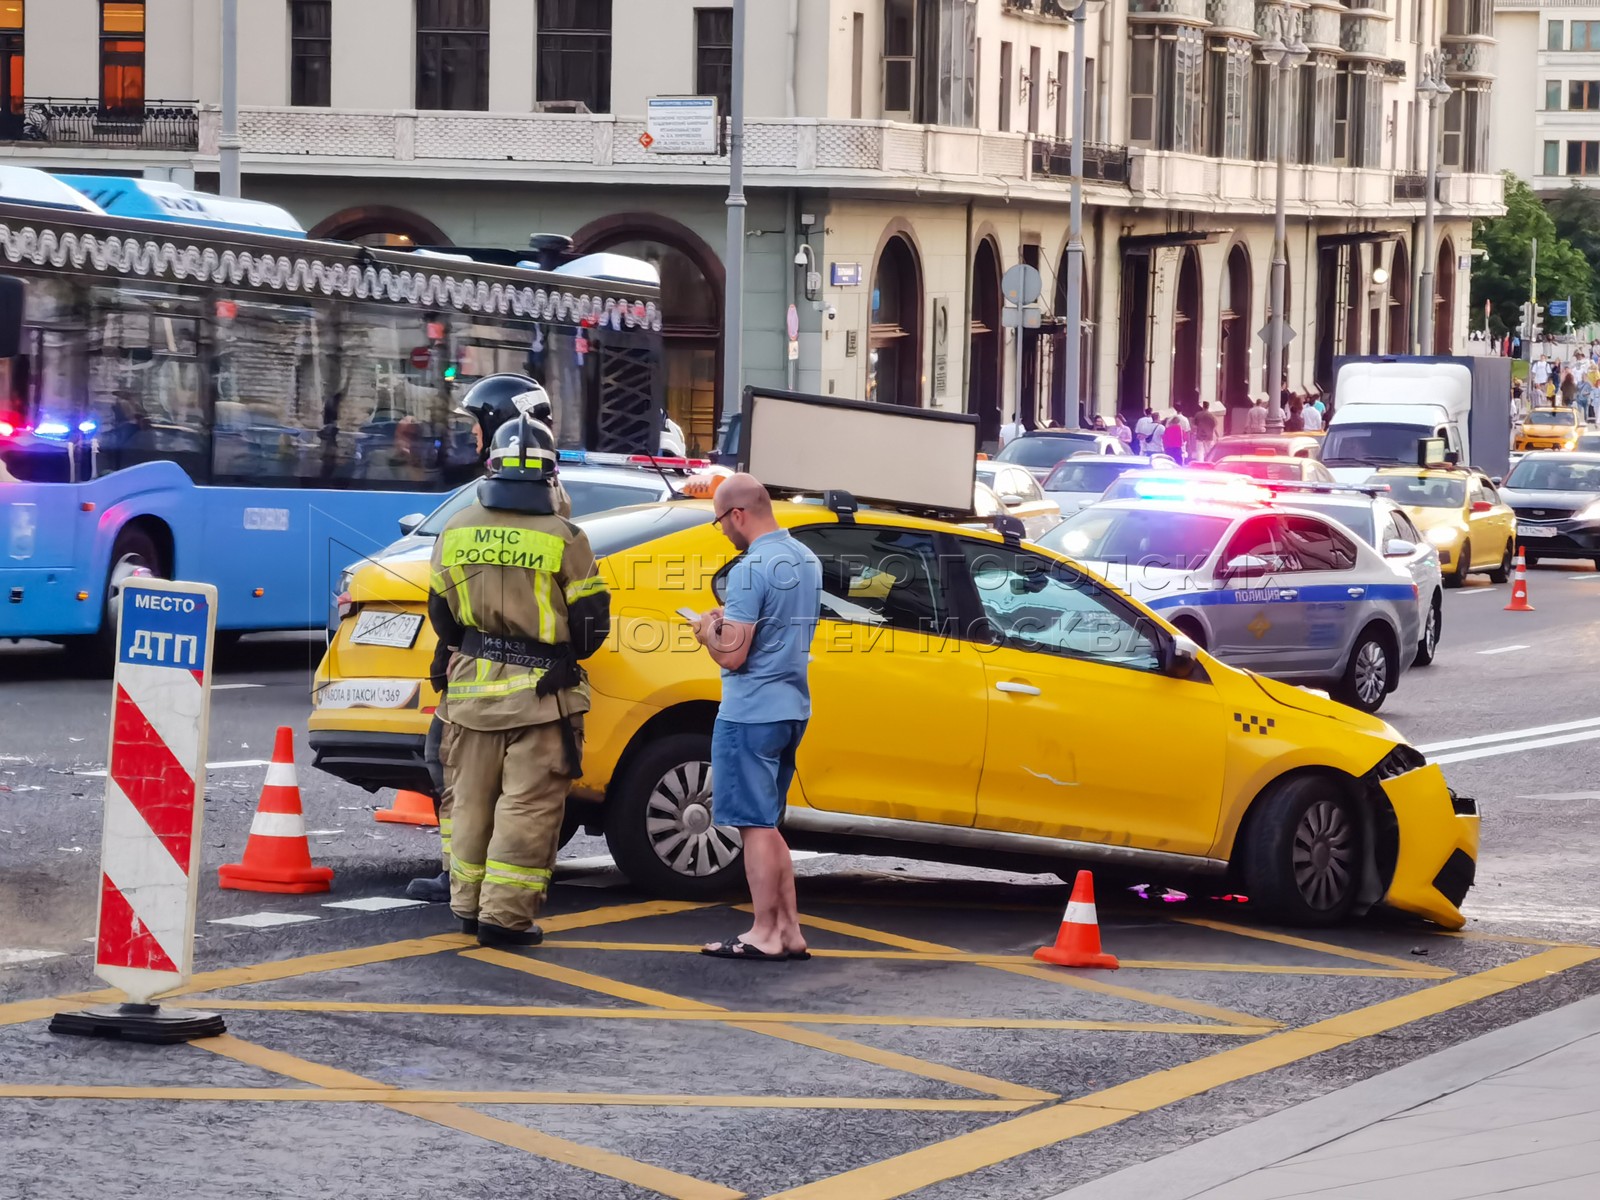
{"points": [[1501, 276]]}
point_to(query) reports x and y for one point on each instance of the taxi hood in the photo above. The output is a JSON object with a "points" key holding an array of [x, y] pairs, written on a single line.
{"points": [[1310, 702]]}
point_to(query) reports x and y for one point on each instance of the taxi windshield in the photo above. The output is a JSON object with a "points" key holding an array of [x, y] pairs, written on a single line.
{"points": [[1547, 475], [1552, 416], [1086, 475], [1156, 537], [1423, 491], [1045, 451]]}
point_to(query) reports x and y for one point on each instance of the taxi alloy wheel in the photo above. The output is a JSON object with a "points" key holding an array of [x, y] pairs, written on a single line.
{"points": [[1302, 852], [1463, 567], [659, 824], [1502, 573]]}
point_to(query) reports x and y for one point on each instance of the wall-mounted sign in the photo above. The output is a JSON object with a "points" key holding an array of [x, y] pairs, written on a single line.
{"points": [[846, 274], [681, 125]]}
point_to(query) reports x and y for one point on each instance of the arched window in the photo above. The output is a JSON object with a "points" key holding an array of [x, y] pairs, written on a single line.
{"points": [[1186, 335], [894, 363], [1233, 350], [691, 302], [983, 356], [1400, 300], [1444, 300], [380, 225]]}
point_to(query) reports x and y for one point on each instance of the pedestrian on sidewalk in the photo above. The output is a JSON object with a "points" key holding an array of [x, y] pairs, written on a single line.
{"points": [[762, 641], [1255, 419], [1205, 432], [1124, 434], [1172, 438]]}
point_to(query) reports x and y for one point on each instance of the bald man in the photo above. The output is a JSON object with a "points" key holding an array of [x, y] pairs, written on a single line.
{"points": [[762, 642]]}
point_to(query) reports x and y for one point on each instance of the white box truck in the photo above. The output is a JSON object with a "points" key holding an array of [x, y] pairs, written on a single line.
{"points": [[1383, 406]]}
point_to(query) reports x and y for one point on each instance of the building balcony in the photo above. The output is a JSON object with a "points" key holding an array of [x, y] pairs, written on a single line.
{"points": [[1168, 12], [1468, 57], [1232, 16], [1365, 35], [1411, 185], [1040, 10], [79, 124], [1322, 28], [1105, 163]]}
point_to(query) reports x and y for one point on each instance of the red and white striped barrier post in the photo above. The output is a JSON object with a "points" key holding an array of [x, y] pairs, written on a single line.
{"points": [[155, 787]]}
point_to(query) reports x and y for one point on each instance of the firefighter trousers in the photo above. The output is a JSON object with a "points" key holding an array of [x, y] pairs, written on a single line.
{"points": [[508, 799], [436, 753]]}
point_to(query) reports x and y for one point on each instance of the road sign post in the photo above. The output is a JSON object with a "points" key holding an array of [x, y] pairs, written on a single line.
{"points": [[155, 783], [1020, 285]]}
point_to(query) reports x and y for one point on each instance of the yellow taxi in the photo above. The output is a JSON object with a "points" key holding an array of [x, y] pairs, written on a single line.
{"points": [[975, 699], [1555, 428], [1460, 511]]}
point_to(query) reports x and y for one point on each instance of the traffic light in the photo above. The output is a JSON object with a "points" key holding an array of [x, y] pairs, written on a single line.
{"points": [[1538, 321]]}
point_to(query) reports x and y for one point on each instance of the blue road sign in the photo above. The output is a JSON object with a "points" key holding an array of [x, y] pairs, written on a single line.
{"points": [[1557, 308]]}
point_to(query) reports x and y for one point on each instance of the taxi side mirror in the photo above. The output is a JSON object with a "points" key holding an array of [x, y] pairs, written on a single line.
{"points": [[409, 523], [1011, 499], [1482, 506], [1399, 548], [1183, 655]]}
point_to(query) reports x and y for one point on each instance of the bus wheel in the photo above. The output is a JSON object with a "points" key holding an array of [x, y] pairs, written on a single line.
{"points": [[133, 554]]}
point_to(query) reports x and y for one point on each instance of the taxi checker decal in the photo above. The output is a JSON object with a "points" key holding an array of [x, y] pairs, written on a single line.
{"points": [[1253, 724]]}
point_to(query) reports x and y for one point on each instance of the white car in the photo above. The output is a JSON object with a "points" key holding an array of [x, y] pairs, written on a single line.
{"points": [[1020, 496], [1081, 480]]}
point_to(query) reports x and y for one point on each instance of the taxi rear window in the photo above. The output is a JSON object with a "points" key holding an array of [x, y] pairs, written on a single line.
{"points": [[624, 528]]}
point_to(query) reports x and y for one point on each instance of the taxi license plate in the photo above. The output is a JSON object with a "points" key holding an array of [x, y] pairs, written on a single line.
{"points": [[1535, 531], [369, 693], [376, 628]]}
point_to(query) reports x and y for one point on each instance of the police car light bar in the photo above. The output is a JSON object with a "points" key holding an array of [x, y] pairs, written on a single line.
{"points": [[1314, 487], [601, 458]]}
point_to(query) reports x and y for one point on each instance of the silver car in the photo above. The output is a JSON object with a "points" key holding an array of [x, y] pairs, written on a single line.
{"points": [[1556, 497], [1388, 529], [1080, 481], [1274, 589], [1020, 495]]}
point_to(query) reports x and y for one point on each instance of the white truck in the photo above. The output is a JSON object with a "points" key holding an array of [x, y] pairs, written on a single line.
{"points": [[1384, 406]]}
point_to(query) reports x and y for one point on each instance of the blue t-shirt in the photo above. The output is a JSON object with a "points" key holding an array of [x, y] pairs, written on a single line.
{"points": [[776, 585]]}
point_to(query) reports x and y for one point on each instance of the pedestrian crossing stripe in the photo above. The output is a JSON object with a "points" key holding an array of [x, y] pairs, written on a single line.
{"points": [[1254, 724]]}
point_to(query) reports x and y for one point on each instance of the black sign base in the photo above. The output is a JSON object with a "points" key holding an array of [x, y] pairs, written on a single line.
{"points": [[139, 1023]]}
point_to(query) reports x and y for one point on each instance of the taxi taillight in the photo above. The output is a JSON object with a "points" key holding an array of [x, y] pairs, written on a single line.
{"points": [[346, 605]]}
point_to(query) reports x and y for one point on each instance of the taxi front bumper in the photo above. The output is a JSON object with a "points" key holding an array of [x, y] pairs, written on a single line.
{"points": [[1436, 855]]}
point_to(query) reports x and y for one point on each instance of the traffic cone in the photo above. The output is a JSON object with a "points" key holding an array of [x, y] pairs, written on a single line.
{"points": [[277, 858], [1519, 588], [1078, 941], [410, 808]]}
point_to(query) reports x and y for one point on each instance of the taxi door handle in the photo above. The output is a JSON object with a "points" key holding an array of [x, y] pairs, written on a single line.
{"points": [[1017, 689], [1355, 593]]}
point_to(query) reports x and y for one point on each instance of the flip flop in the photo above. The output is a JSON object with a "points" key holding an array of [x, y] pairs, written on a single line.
{"points": [[799, 955], [739, 948]]}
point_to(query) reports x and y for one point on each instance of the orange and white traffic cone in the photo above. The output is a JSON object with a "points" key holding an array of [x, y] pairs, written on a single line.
{"points": [[1078, 941], [277, 858], [410, 808], [1519, 587]]}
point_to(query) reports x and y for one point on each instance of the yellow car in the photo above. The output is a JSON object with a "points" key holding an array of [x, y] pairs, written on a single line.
{"points": [[1460, 511], [1556, 428], [976, 700]]}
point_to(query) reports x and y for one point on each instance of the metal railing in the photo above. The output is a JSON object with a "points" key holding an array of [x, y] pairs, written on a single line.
{"points": [[1101, 161], [1057, 10], [1411, 186], [52, 121]]}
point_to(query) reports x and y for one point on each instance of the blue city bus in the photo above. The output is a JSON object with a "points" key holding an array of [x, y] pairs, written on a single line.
{"points": [[256, 410]]}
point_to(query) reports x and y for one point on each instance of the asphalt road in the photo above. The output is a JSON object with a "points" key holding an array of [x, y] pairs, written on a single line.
{"points": [[1508, 709]]}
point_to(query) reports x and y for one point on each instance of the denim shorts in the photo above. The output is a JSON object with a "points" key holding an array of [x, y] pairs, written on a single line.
{"points": [[752, 767]]}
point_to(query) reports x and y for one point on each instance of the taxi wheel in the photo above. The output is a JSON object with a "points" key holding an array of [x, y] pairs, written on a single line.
{"points": [[1503, 572], [658, 822], [1458, 578], [1302, 855], [1429, 645], [1369, 673]]}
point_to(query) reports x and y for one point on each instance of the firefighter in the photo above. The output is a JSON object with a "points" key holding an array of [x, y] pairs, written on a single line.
{"points": [[491, 402], [514, 587]]}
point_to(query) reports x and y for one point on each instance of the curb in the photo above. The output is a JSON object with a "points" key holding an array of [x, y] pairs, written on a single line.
{"points": [[1229, 1156]]}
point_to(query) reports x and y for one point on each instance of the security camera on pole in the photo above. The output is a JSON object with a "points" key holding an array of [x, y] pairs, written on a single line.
{"points": [[1021, 286]]}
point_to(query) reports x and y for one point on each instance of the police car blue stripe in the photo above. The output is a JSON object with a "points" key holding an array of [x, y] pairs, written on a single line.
{"points": [[1325, 593]]}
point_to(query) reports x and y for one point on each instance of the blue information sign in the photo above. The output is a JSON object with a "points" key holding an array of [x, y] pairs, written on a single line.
{"points": [[1557, 308], [162, 627]]}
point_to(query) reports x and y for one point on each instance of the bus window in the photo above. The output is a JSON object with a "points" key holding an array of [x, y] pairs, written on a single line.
{"points": [[145, 388]]}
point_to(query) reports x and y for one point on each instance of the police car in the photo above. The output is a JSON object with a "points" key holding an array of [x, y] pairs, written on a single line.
{"points": [[1281, 591]]}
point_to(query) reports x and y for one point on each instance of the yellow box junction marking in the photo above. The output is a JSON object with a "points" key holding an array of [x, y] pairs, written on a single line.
{"points": [[803, 1037], [970, 1152], [1194, 1008], [1401, 965]]}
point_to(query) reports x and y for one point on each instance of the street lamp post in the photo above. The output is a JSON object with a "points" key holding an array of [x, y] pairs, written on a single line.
{"points": [[1074, 346], [733, 304], [1282, 50], [1432, 86]]}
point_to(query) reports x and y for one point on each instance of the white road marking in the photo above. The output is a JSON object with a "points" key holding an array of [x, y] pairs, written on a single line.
{"points": [[376, 904], [236, 765], [265, 920], [322, 832], [1478, 591], [12, 958], [1512, 735], [1526, 915], [1562, 796], [234, 687], [602, 862], [1504, 649], [1514, 747]]}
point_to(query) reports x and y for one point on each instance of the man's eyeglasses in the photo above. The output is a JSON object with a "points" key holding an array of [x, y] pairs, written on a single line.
{"points": [[723, 516]]}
